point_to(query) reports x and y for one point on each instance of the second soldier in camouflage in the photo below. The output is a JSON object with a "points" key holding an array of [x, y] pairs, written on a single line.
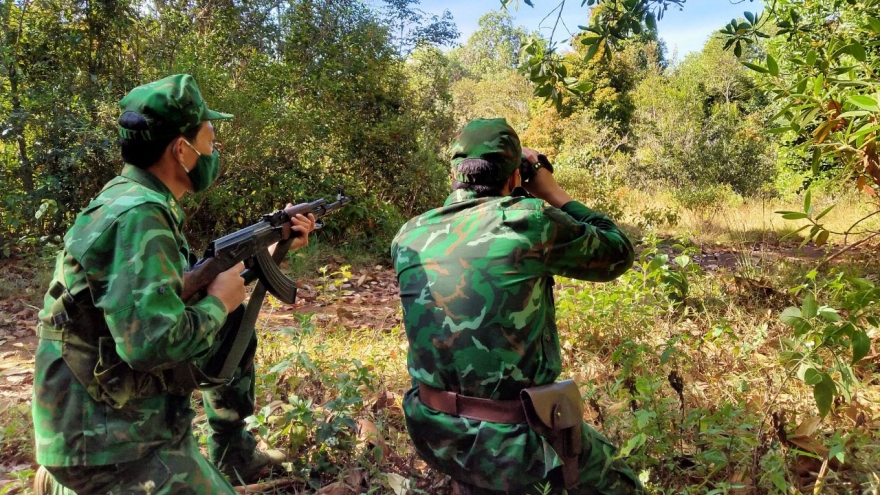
{"points": [[476, 286]]}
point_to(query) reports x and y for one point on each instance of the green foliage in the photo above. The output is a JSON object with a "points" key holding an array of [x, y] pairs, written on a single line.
{"points": [[16, 435], [611, 23], [321, 95], [412, 27], [700, 126], [597, 191], [322, 439], [485, 82], [819, 66], [709, 200], [494, 47], [826, 342]]}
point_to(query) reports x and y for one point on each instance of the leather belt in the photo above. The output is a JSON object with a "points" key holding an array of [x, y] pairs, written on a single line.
{"points": [[494, 411]]}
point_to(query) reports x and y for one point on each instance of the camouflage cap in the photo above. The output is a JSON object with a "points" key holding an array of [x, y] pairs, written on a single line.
{"points": [[163, 109], [492, 140]]}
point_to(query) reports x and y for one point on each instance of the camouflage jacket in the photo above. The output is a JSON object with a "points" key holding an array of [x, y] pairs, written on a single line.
{"points": [[127, 249], [476, 285]]}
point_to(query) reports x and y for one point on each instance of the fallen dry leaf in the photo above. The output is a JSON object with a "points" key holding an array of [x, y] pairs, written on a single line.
{"points": [[808, 426], [809, 444], [398, 483], [349, 485]]}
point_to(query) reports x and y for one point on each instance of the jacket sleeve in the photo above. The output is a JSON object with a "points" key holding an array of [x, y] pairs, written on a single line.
{"points": [[138, 286], [584, 244]]}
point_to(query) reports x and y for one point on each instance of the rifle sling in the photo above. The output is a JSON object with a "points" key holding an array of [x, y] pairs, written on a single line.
{"points": [[249, 320]]}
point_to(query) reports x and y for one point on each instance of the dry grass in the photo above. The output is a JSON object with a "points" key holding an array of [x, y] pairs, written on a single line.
{"points": [[733, 220]]}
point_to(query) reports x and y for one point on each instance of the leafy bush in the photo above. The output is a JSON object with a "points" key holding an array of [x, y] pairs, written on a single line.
{"points": [[707, 200]]}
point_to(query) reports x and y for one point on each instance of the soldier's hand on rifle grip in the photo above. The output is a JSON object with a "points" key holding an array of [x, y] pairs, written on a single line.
{"points": [[229, 287], [302, 225]]}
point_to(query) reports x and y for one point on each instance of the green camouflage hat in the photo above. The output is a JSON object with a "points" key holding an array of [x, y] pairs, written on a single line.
{"points": [[163, 109], [492, 140]]}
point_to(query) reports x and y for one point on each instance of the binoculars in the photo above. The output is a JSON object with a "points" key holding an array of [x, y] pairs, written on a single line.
{"points": [[528, 170]]}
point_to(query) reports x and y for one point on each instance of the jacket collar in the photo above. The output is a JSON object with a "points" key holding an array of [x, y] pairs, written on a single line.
{"points": [[462, 195], [150, 181]]}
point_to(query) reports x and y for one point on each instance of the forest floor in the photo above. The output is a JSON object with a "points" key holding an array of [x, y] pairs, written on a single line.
{"points": [[360, 303]]}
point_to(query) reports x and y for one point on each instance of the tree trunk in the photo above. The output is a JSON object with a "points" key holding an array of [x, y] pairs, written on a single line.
{"points": [[25, 171]]}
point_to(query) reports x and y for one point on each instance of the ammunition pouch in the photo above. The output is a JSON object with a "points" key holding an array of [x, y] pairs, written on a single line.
{"points": [[556, 412], [89, 351]]}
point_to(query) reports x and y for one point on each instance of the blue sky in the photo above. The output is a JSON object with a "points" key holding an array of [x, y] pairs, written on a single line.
{"points": [[687, 29]]}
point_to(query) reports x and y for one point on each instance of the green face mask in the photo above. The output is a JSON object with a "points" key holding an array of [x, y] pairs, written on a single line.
{"points": [[206, 170]]}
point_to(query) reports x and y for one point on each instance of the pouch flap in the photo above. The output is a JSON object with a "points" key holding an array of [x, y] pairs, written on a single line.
{"points": [[557, 405]]}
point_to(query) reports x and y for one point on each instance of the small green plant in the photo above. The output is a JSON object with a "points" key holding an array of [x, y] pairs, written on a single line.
{"points": [[23, 481], [331, 281], [653, 218], [670, 278]]}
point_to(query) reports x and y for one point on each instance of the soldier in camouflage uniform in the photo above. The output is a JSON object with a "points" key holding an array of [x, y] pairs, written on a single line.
{"points": [[109, 413], [476, 279]]}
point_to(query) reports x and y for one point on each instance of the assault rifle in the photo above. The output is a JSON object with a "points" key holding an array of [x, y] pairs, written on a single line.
{"points": [[251, 244]]}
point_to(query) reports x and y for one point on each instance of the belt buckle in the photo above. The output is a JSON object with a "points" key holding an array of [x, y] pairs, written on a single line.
{"points": [[60, 319]]}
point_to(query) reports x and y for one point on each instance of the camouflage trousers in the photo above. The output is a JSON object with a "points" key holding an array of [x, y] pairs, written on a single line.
{"points": [[176, 468], [600, 474]]}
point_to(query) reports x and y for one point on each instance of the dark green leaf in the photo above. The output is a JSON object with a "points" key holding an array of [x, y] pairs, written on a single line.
{"points": [[874, 23], [861, 345], [836, 71], [591, 52], [772, 66], [812, 377], [755, 67], [651, 21], [824, 393], [865, 102], [543, 91], [790, 316], [750, 17], [829, 314], [667, 353], [794, 215], [810, 307], [857, 51]]}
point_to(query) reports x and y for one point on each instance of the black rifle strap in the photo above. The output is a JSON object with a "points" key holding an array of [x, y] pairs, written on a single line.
{"points": [[249, 320], [244, 333]]}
